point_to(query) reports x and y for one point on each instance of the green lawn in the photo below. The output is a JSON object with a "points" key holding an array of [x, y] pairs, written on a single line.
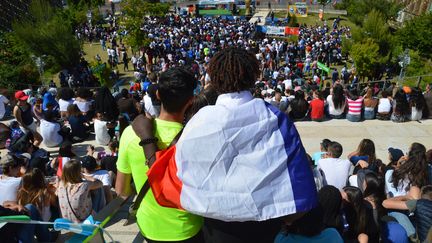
{"points": [[215, 12]]}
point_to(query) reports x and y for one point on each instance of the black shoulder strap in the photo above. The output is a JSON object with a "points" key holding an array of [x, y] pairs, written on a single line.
{"points": [[145, 188]]}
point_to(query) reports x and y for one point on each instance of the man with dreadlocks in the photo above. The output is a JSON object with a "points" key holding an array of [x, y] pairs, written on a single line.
{"points": [[239, 163]]}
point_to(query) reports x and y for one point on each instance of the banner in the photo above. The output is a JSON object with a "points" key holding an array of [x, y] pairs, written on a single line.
{"points": [[275, 30], [292, 30], [322, 66], [299, 9]]}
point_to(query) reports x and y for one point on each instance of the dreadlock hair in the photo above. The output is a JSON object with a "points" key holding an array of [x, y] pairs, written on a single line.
{"points": [[233, 70]]}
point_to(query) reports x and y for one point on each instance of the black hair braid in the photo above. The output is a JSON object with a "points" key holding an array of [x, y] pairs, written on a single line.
{"points": [[233, 70]]}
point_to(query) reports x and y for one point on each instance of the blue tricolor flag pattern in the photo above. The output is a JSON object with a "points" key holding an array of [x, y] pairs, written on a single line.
{"points": [[239, 160]]}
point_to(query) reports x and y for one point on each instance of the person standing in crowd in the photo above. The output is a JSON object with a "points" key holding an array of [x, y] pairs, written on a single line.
{"points": [[233, 72], [24, 116], [335, 170], [158, 223]]}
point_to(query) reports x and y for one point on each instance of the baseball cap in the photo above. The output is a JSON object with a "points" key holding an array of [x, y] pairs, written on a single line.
{"points": [[395, 153], [20, 95], [89, 163]]}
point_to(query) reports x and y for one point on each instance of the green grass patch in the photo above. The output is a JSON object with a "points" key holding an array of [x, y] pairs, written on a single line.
{"points": [[215, 12]]}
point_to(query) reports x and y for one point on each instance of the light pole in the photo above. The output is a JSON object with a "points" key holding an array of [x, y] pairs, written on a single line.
{"points": [[405, 61], [40, 64]]}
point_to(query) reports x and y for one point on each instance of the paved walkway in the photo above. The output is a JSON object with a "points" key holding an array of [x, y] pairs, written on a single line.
{"points": [[260, 14]]}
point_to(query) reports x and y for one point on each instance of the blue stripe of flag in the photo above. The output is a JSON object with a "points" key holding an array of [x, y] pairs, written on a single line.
{"points": [[301, 176]]}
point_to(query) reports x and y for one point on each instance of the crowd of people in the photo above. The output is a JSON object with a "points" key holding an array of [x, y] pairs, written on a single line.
{"points": [[226, 97]]}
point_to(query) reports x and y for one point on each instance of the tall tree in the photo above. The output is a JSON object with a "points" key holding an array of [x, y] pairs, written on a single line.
{"points": [[367, 59], [46, 33], [133, 19], [417, 34]]}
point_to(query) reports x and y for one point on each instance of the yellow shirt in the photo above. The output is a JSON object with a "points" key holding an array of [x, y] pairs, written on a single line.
{"points": [[155, 222]]}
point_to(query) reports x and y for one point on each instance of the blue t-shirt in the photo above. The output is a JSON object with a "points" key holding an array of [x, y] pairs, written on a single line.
{"points": [[317, 156], [329, 235], [77, 126]]}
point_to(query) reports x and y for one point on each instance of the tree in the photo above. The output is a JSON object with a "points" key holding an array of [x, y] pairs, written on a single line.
{"points": [[367, 59], [46, 33], [134, 13], [357, 10], [16, 66], [416, 35], [375, 27]]}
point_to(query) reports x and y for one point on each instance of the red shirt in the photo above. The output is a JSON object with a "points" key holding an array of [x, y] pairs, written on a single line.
{"points": [[317, 109]]}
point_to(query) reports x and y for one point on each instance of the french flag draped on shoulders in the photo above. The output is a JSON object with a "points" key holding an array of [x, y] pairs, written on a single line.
{"points": [[239, 160]]}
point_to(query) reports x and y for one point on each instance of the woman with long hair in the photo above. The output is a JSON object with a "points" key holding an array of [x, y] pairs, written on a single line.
{"points": [[400, 107], [374, 194], [358, 217], [364, 156], [410, 174], [337, 102], [329, 197], [106, 104], [370, 103], [34, 190], [299, 106], [417, 104], [74, 192]]}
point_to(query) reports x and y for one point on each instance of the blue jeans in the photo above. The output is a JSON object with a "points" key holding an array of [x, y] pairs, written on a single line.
{"points": [[369, 114], [404, 221], [29, 231], [353, 118]]}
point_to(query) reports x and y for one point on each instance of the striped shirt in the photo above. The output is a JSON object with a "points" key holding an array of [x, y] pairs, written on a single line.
{"points": [[355, 106]]}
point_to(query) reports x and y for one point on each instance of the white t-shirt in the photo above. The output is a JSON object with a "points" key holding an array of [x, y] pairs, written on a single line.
{"points": [[389, 187], [84, 106], [416, 114], [335, 171], [3, 101], [101, 132], [148, 106], [332, 110], [384, 105], [49, 132], [9, 188], [103, 176], [63, 104]]}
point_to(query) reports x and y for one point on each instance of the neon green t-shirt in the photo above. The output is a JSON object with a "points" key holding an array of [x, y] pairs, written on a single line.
{"points": [[155, 222]]}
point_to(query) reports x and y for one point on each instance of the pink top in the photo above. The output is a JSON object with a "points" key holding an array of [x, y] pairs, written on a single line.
{"points": [[355, 106]]}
